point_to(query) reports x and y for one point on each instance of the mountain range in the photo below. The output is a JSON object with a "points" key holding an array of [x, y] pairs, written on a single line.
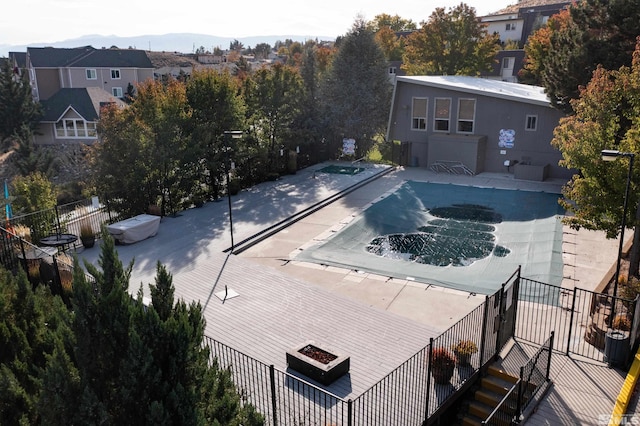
{"points": [[176, 42]]}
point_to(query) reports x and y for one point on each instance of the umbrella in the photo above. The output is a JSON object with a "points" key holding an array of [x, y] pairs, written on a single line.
{"points": [[7, 206]]}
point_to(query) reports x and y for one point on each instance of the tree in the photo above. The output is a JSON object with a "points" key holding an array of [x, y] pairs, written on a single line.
{"points": [[600, 33], [606, 117], [262, 50], [395, 23], [216, 106], [32, 325], [17, 106], [274, 96], [537, 48], [450, 43], [356, 92]]}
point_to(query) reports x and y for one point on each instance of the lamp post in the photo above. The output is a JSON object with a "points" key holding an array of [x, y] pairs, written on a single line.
{"points": [[612, 155], [228, 136]]}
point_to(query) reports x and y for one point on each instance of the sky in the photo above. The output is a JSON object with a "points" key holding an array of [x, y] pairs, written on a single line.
{"points": [[47, 21]]}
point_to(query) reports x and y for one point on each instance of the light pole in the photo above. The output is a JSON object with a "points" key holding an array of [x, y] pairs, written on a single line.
{"points": [[228, 136], [612, 155]]}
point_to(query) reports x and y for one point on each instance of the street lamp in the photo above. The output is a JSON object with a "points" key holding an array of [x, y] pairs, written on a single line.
{"points": [[228, 136], [612, 155]]}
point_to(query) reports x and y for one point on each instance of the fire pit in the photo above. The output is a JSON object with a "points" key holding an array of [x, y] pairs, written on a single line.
{"points": [[320, 364]]}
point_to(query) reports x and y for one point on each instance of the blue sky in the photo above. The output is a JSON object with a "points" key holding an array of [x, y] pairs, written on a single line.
{"points": [[48, 21]]}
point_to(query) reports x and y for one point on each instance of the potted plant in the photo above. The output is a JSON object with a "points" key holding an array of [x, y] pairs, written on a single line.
{"points": [[87, 236], [442, 365], [463, 351]]}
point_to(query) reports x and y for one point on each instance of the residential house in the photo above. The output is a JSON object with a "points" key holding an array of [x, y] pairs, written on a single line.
{"points": [[470, 125], [514, 24], [73, 84]]}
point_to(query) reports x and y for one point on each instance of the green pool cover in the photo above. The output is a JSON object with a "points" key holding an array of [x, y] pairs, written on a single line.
{"points": [[461, 237]]}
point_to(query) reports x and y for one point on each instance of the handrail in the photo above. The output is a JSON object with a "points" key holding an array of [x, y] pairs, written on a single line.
{"points": [[502, 402]]}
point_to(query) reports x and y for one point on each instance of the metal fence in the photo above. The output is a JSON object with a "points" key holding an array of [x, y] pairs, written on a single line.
{"points": [[580, 318], [66, 218]]}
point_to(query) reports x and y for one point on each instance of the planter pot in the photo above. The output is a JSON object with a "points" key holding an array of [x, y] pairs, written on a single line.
{"points": [[463, 359], [88, 242], [442, 374]]}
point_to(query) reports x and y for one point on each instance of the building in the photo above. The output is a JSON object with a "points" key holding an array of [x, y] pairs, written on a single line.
{"points": [[73, 84], [514, 24], [470, 125]]}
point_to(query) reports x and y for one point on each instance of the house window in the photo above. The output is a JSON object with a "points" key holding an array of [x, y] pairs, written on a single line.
{"points": [[510, 27], [75, 128], [419, 114], [532, 123], [508, 62], [117, 92], [115, 74], [442, 115], [392, 70], [466, 115], [91, 74]]}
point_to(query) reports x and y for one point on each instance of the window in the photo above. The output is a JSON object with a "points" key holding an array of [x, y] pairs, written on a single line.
{"points": [[510, 27], [117, 92], [508, 62], [466, 115], [392, 70], [442, 115], [91, 74], [419, 114], [532, 123], [115, 74], [75, 128]]}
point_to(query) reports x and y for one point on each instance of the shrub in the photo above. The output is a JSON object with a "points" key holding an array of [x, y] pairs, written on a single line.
{"points": [[465, 347]]}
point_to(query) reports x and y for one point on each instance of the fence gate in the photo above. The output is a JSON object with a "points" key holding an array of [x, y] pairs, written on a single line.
{"points": [[506, 319]]}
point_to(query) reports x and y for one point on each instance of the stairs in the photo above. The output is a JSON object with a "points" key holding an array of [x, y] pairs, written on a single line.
{"points": [[493, 387]]}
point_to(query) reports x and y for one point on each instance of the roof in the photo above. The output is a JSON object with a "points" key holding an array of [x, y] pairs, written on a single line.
{"points": [[514, 8], [482, 86], [85, 101], [87, 56], [20, 58]]}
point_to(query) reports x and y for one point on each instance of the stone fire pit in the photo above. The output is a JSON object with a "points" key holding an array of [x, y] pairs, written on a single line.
{"points": [[318, 363]]}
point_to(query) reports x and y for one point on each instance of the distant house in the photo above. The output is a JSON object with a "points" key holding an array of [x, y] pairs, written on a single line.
{"points": [[471, 125], [514, 24], [73, 84]]}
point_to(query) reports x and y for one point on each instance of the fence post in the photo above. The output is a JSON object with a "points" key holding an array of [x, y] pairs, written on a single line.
{"points": [[426, 408], [272, 377], [350, 412], [500, 320], [519, 398], [59, 230], [550, 352], [485, 314], [573, 310]]}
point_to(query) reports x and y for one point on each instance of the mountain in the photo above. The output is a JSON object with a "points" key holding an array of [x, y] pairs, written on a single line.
{"points": [[179, 42]]}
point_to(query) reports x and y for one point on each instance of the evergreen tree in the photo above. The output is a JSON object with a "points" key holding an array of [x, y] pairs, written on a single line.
{"points": [[17, 107], [356, 92]]}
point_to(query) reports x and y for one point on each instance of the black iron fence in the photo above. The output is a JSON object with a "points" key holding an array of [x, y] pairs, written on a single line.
{"points": [[65, 218], [534, 376], [580, 318]]}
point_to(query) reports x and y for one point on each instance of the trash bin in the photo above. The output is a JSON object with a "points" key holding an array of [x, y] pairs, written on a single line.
{"points": [[616, 348]]}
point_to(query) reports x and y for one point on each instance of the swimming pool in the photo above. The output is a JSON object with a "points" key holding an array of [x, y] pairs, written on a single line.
{"points": [[461, 237]]}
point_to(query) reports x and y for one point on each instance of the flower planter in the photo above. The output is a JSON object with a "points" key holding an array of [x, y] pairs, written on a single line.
{"points": [[318, 363], [442, 375]]}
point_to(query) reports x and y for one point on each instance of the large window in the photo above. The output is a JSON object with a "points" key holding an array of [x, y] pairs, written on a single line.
{"points": [[91, 74], [75, 128], [115, 74], [419, 114], [117, 92], [466, 115], [442, 115]]}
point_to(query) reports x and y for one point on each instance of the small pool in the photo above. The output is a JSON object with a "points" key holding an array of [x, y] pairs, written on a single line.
{"points": [[341, 170]]}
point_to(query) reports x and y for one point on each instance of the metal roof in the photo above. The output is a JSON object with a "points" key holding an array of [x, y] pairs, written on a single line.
{"points": [[482, 86]]}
